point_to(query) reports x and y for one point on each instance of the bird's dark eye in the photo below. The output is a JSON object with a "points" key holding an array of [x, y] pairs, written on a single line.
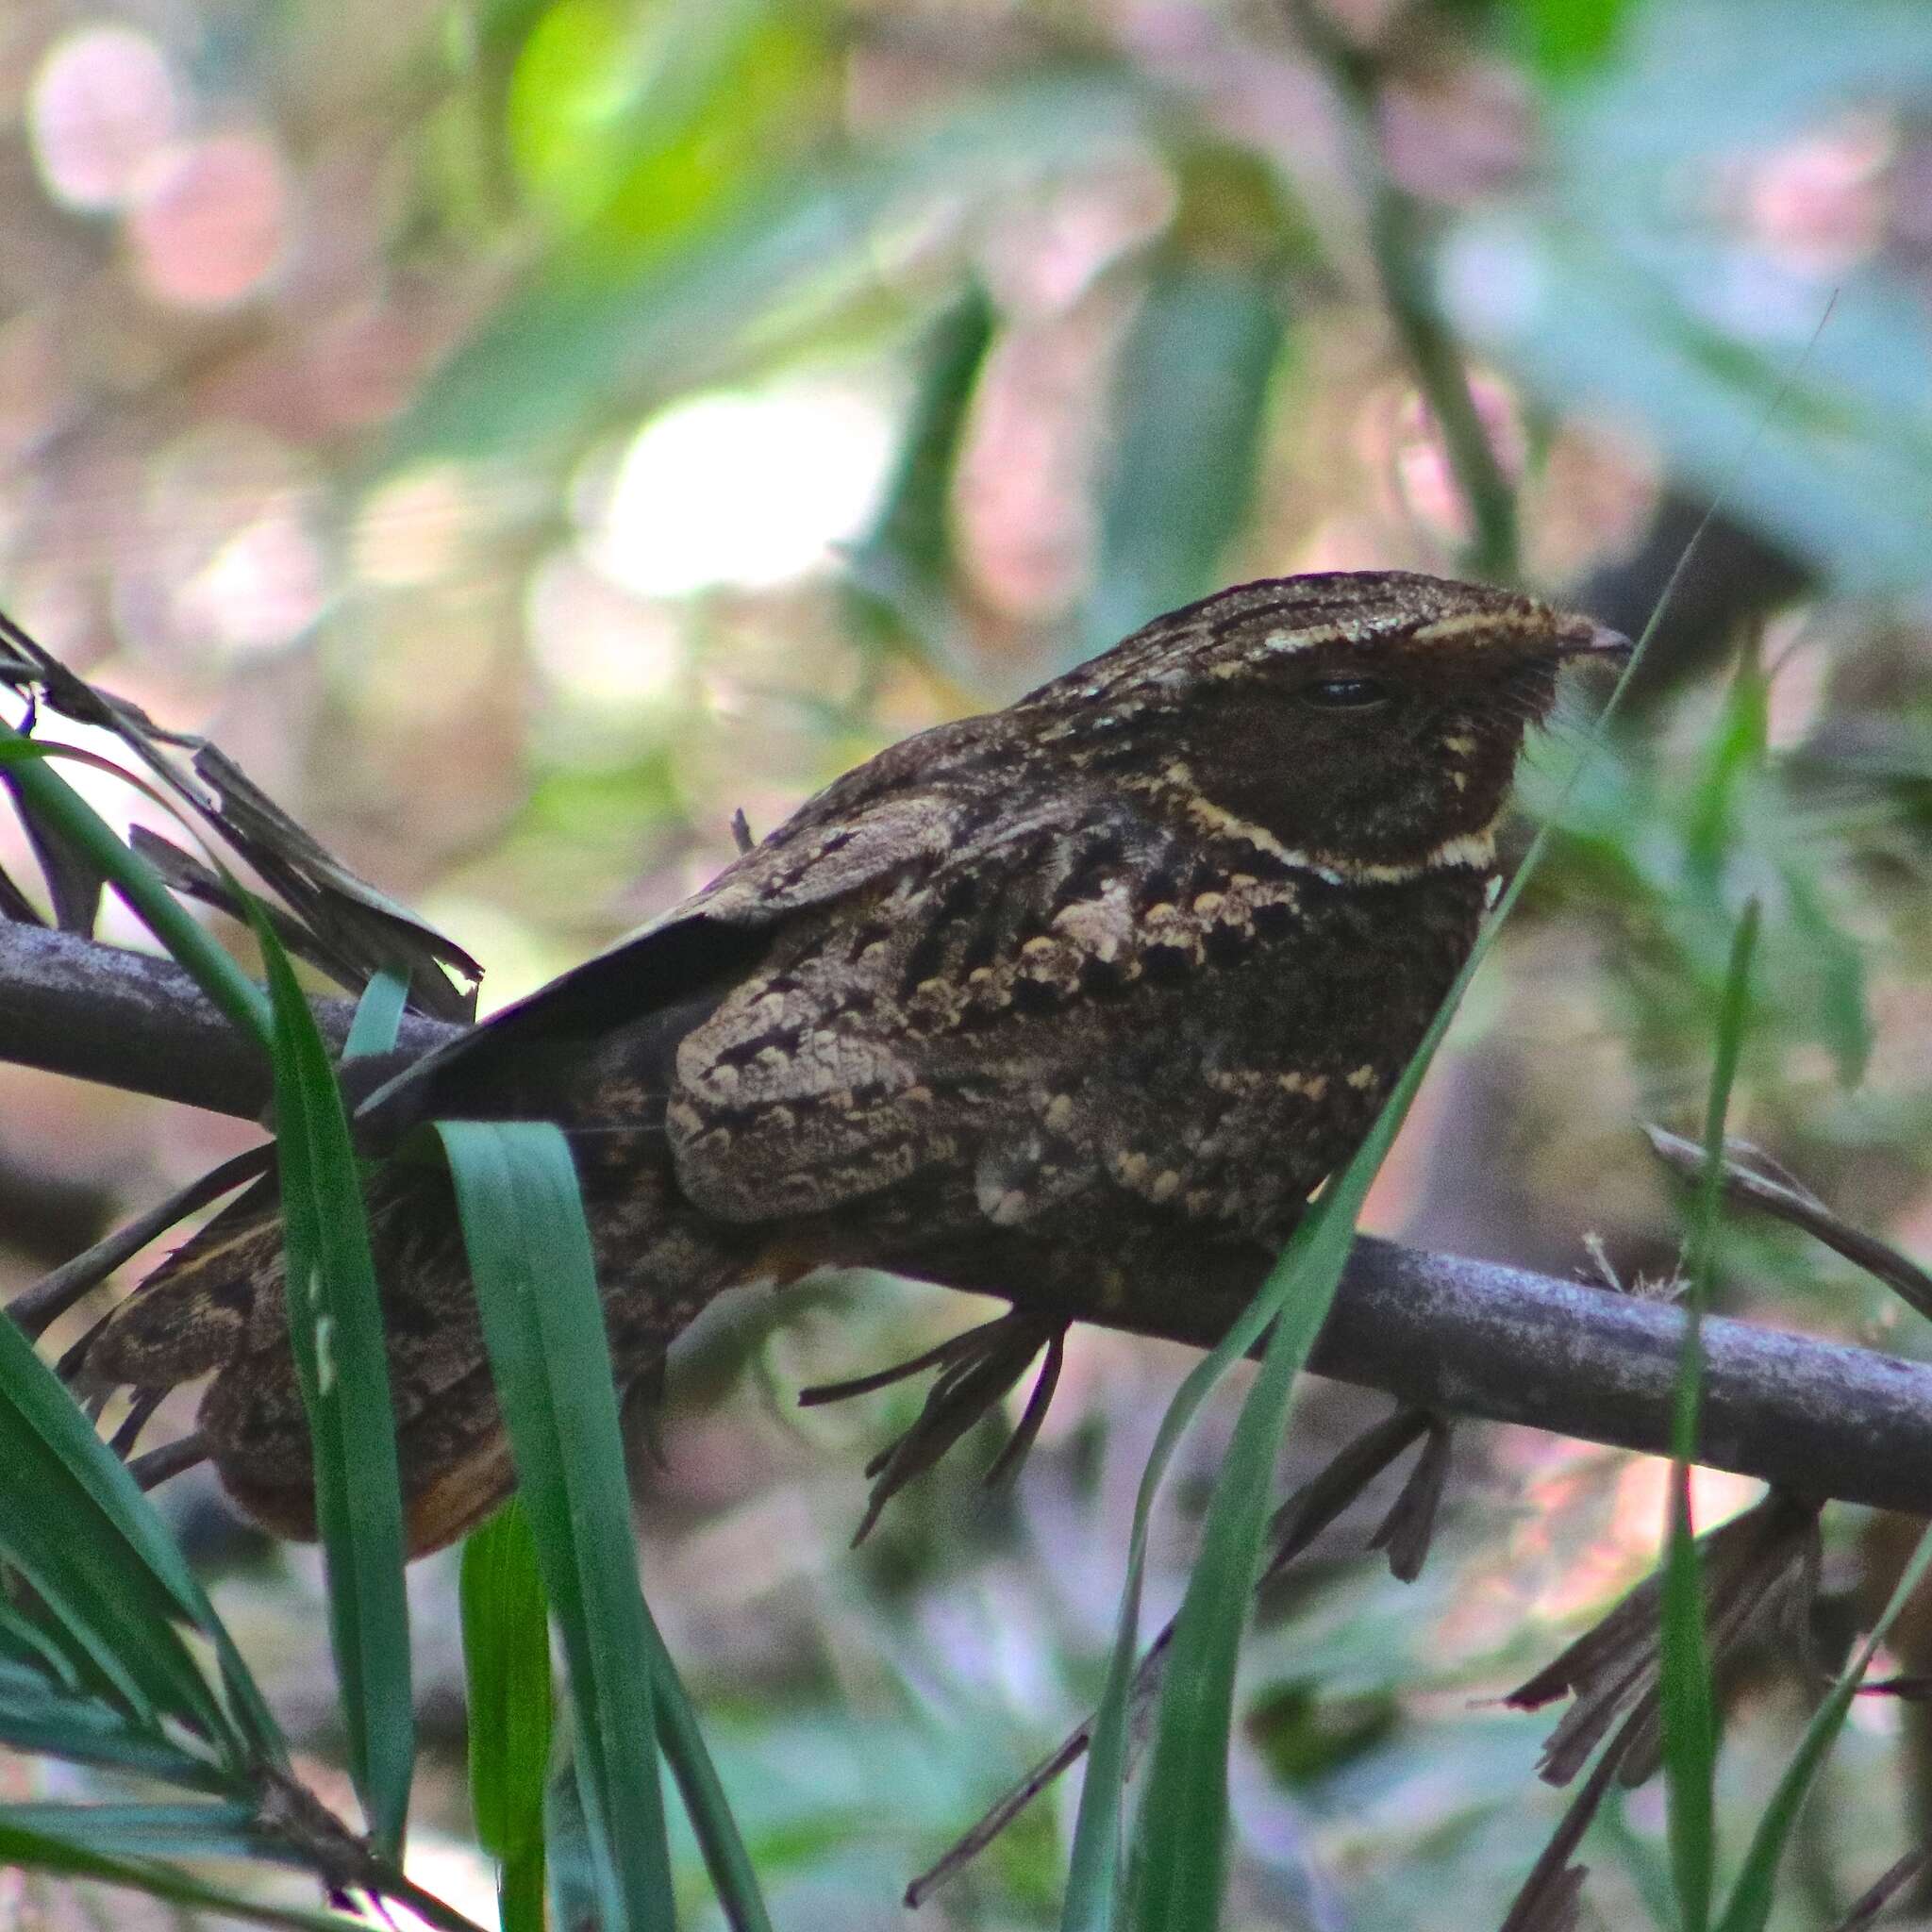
{"points": [[1345, 693]]}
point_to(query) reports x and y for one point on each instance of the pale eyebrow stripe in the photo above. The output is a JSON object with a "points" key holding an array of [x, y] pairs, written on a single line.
{"points": [[1466, 621], [1285, 640]]}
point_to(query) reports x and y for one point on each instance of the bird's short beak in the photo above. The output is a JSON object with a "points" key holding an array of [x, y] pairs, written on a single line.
{"points": [[1583, 637]]}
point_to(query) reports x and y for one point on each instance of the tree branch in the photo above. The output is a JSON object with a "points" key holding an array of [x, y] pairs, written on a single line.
{"points": [[137, 1022], [1471, 1338]]}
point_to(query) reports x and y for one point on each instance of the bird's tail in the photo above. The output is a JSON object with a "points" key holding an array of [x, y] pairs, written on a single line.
{"points": [[217, 1306]]}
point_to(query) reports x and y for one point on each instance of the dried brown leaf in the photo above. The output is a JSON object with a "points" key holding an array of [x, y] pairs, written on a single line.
{"points": [[1409, 1526], [1759, 1572], [340, 921]]}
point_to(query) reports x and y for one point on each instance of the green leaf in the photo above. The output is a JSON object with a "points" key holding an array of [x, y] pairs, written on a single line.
{"points": [[342, 1360], [1190, 400], [97, 1520], [1180, 1843], [158, 1831], [899, 574], [913, 528], [84, 1530], [643, 117], [1736, 754], [536, 1290], [1689, 1702], [705, 1801], [47, 1655], [1172, 1851], [506, 1666], [1093, 1864], [75, 882], [93, 1549], [41, 1848], [1689, 1714], [379, 1014], [1617, 293], [1842, 1014], [589, 334], [574, 1885], [1654, 108], [38, 1717], [530, 1254]]}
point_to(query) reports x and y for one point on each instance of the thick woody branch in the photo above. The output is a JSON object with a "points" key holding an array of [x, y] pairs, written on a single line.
{"points": [[1469, 1338], [136, 1022]]}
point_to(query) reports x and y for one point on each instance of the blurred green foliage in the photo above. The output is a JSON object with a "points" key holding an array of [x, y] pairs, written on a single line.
{"points": [[330, 366]]}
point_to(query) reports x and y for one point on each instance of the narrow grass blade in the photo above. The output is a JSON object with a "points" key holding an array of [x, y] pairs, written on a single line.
{"points": [[536, 1290], [42, 1849], [92, 1547], [155, 1831], [545, 1328], [1180, 1846], [112, 1501], [573, 1893], [119, 1843], [245, 1727], [1689, 1702], [1093, 1865], [705, 1802], [82, 1574], [1736, 750], [47, 1719], [1749, 1907], [335, 1324], [45, 1655], [507, 1665], [74, 881], [1201, 1661], [1181, 1838]]}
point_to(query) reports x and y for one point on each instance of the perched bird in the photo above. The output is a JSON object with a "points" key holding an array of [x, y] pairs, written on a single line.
{"points": [[1097, 987]]}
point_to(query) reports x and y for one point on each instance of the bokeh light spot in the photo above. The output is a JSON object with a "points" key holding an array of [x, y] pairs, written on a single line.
{"points": [[101, 106], [412, 526], [598, 646], [744, 489], [261, 590], [209, 220]]}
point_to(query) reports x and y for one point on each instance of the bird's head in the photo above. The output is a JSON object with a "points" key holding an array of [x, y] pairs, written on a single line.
{"points": [[1369, 721]]}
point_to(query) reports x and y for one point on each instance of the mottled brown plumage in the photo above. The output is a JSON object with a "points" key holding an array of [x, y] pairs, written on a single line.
{"points": [[1107, 981]]}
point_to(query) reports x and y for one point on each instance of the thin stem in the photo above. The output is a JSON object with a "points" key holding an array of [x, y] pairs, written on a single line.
{"points": [[1397, 225]]}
